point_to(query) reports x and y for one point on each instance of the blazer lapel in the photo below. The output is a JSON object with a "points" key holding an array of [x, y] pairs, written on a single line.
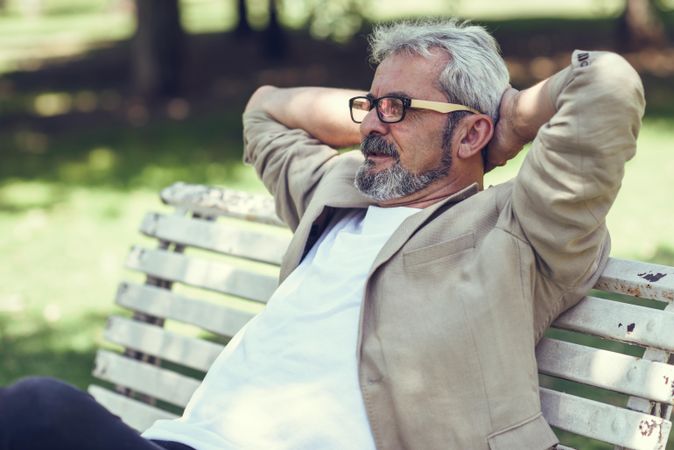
{"points": [[412, 224]]}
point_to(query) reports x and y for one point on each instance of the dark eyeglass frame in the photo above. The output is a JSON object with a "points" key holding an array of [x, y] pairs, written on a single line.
{"points": [[407, 103]]}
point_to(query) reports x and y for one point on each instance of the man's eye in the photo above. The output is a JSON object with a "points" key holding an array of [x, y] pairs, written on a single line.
{"points": [[362, 104]]}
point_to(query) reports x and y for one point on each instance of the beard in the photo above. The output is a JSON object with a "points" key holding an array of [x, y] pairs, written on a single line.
{"points": [[394, 182]]}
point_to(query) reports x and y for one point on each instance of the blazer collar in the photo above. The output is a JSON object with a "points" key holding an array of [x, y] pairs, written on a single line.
{"points": [[348, 197], [415, 221]]}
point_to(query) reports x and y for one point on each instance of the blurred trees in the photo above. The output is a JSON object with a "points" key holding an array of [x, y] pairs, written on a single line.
{"points": [[640, 26], [157, 48], [158, 43], [274, 40], [337, 19], [243, 27]]}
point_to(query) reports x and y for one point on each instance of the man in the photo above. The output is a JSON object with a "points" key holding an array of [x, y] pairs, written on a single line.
{"points": [[411, 299]]}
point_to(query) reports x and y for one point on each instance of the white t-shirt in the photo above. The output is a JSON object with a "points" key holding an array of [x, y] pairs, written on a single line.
{"points": [[289, 378]]}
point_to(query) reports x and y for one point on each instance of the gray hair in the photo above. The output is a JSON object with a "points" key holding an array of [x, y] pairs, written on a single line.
{"points": [[475, 76]]}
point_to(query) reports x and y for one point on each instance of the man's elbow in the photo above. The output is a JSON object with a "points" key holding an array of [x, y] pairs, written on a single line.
{"points": [[259, 98], [625, 86]]}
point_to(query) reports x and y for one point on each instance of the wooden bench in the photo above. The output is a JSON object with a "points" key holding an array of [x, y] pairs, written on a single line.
{"points": [[216, 264]]}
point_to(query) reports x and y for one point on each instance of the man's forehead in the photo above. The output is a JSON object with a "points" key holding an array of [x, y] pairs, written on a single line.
{"points": [[392, 93], [408, 75]]}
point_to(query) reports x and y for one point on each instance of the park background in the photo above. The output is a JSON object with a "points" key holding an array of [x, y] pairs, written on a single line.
{"points": [[104, 102]]}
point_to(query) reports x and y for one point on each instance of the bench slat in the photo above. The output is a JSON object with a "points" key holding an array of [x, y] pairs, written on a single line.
{"points": [[156, 341], [159, 383], [606, 369], [621, 322], [220, 237], [136, 414], [215, 276], [222, 319], [604, 422], [212, 201], [638, 279]]}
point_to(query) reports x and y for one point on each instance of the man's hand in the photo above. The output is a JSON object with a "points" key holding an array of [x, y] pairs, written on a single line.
{"points": [[506, 142], [521, 114]]}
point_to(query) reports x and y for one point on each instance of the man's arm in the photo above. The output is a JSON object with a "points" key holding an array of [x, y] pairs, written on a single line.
{"points": [[521, 115], [290, 137], [321, 112], [591, 114]]}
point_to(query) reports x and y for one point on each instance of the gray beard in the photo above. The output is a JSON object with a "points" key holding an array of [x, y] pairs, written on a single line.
{"points": [[394, 182]]}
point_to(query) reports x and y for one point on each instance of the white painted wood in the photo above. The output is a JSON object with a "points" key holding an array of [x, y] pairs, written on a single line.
{"points": [[604, 422], [156, 382], [156, 341], [653, 354], [221, 237], [605, 369], [621, 321], [212, 275], [136, 414], [638, 279], [213, 201], [223, 319]]}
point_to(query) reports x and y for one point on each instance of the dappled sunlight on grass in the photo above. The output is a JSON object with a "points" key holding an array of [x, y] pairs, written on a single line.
{"points": [[52, 104], [204, 150], [49, 104], [28, 42], [33, 344], [18, 195]]}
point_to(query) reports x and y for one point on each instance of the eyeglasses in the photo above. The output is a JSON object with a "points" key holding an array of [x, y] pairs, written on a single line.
{"points": [[392, 108]]}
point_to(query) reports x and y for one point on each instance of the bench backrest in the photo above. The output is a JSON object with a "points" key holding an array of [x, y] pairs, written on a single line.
{"points": [[604, 365]]}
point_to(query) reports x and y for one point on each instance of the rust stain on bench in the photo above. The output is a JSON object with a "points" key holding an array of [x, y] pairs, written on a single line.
{"points": [[646, 427]]}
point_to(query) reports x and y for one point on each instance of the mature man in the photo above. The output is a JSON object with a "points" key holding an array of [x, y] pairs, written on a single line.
{"points": [[411, 299]]}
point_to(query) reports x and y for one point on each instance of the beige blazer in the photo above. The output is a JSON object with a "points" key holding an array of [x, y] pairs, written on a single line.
{"points": [[460, 294]]}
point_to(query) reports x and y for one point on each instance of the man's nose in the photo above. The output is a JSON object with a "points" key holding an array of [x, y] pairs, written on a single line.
{"points": [[372, 124]]}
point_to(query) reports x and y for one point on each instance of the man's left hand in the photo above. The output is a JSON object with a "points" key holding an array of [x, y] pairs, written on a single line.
{"points": [[506, 142]]}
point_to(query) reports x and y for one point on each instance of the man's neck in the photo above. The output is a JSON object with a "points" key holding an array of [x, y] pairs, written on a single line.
{"points": [[430, 195]]}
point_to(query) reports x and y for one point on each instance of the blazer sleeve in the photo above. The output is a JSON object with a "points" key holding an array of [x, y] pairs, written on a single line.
{"points": [[289, 162], [573, 172]]}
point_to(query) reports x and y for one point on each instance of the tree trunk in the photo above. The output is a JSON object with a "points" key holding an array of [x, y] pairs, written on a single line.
{"points": [[275, 43], [243, 26], [157, 48], [639, 26]]}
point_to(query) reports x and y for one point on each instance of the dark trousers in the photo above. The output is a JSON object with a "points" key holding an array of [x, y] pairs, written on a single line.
{"points": [[44, 413]]}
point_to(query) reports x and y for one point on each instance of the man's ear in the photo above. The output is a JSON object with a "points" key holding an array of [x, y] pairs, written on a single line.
{"points": [[476, 132]]}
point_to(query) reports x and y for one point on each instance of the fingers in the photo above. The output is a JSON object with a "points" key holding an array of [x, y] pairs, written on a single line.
{"points": [[506, 143]]}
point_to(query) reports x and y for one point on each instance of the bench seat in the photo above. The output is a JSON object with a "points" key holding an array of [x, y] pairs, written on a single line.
{"points": [[605, 365]]}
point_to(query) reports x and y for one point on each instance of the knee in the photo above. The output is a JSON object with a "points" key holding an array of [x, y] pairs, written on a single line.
{"points": [[35, 400]]}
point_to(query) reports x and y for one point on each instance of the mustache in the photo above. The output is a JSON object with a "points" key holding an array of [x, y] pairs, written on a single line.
{"points": [[374, 144]]}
